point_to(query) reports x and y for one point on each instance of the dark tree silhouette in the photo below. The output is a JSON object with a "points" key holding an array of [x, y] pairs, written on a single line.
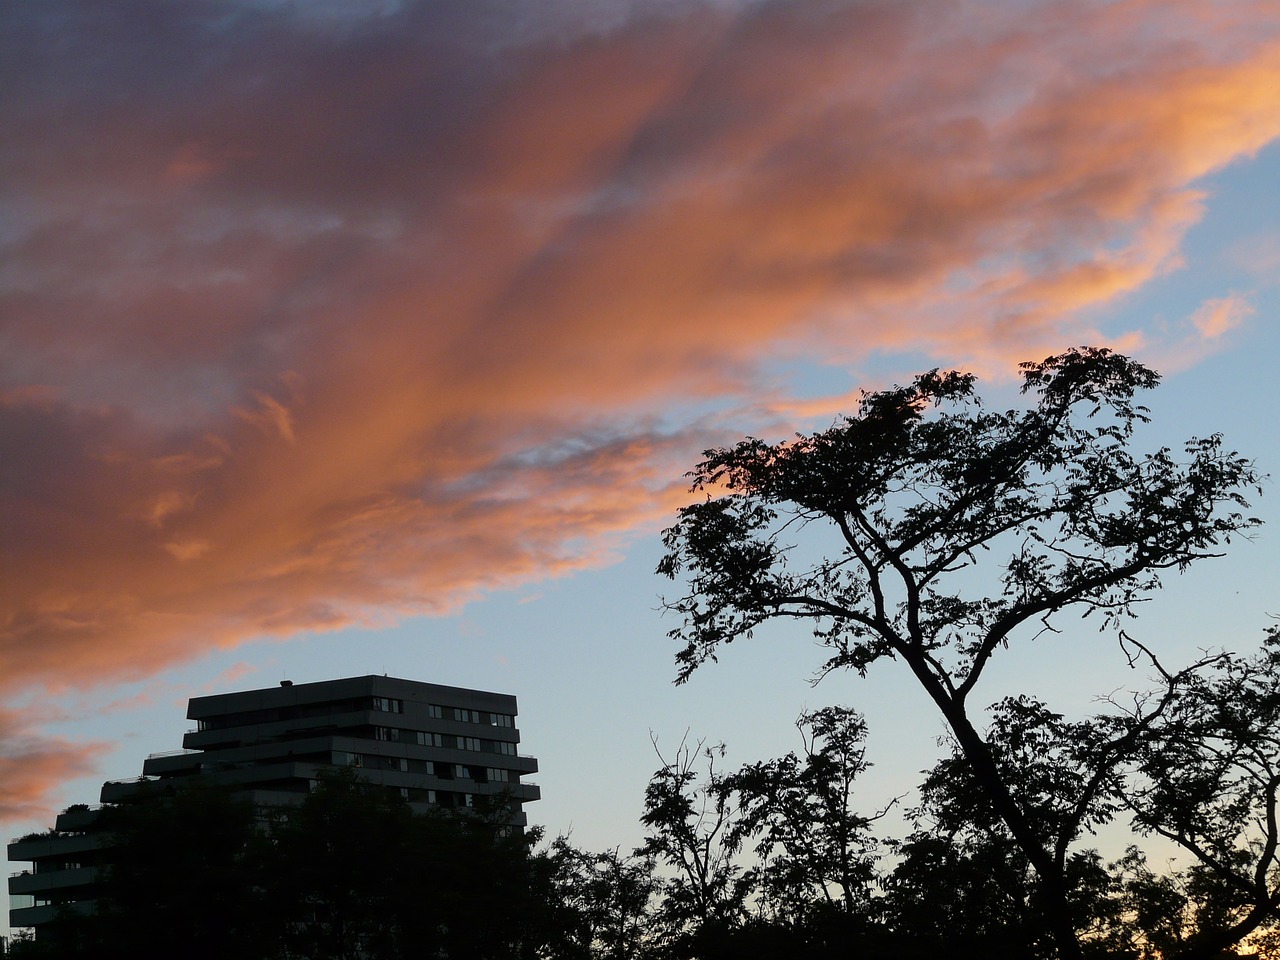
{"points": [[349, 872], [605, 902], [185, 878], [924, 485], [1207, 777], [814, 850], [356, 874], [690, 822]]}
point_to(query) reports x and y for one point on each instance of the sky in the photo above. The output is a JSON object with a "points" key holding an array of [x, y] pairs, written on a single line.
{"points": [[345, 337]]}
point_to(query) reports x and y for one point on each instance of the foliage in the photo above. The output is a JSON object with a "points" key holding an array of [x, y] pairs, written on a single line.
{"points": [[1176, 776], [606, 900], [690, 820], [48, 834], [187, 860], [1208, 779], [924, 487], [359, 875], [348, 872], [813, 850]]}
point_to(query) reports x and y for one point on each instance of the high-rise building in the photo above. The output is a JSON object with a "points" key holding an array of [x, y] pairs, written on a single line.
{"points": [[436, 746]]}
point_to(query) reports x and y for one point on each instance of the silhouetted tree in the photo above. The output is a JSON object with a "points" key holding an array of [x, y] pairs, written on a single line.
{"points": [[1207, 777], [185, 876], [961, 873], [813, 849], [921, 488], [347, 872], [342, 868], [961, 878], [358, 875], [691, 820], [606, 902]]}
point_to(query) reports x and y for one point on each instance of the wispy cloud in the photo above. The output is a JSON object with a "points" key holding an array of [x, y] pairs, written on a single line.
{"points": [[33, 765], [320, 320], [1217, 317]]}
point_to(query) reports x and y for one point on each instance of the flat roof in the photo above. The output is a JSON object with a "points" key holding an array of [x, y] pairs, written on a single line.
{"points": [[288, 693]]}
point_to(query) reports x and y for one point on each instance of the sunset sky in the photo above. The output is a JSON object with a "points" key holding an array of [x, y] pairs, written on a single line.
{"points": [[348, 337]]}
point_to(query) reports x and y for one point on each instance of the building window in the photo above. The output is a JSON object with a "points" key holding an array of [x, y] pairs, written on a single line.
{"points": [[425, 739], [498, 775], [388, 705], [435, 711], [504, 747], [466, 716], [501, 720], [469, 743]]}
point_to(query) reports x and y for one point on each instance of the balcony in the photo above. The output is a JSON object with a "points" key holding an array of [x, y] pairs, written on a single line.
{"points": [[172, 753], [53, 845], [113, 791], [45, 912], [25, 882], [78, 817]]}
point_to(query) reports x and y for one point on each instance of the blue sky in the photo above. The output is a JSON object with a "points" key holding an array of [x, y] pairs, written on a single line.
{"points": [[376, 338]]}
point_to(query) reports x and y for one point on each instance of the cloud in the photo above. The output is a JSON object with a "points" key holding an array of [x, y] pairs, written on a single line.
{"points": [[313, 320], [1203, 333], [271, 415], [1217, 317], [32, 766]]}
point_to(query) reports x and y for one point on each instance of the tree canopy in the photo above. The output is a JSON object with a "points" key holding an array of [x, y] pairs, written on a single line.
{"points": [[923, 486]]}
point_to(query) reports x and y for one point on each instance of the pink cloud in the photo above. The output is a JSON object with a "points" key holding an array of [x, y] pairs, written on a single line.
{"points": [[317, 322], [32, 766], [1203, 333], [1217, 317]]}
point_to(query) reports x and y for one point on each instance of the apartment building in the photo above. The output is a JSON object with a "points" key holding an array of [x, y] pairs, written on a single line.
{"points": [[438, 747]]}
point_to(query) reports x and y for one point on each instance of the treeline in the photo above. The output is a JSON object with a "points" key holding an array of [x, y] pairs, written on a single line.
{"points": [[350, 872], [769, 860], [776, 858]]}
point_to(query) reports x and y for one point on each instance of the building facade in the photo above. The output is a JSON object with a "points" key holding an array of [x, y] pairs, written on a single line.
{"points": [[438, 747]]}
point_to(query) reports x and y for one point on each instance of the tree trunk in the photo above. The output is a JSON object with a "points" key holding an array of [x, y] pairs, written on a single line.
{"points": [[1050, 879]]}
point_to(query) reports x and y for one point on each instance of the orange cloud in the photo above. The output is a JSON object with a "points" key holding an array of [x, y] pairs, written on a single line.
{"points": [[32, 767], [1217, 317], [313, 322], [1203, 333]]}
